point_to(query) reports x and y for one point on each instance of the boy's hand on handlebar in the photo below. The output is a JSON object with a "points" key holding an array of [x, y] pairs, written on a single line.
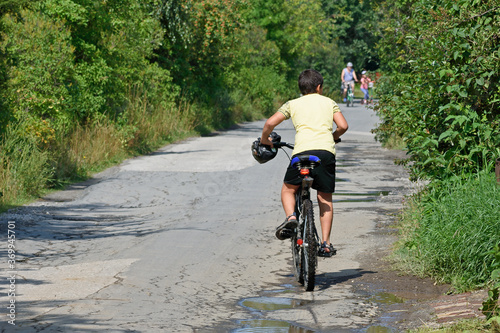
{"points": [[266, 141]]}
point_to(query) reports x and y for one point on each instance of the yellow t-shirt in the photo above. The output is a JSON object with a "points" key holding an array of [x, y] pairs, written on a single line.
{"points": [[312, 117]]}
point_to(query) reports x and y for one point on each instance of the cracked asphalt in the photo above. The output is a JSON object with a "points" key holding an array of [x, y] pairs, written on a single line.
{"points": [[174, 241]]}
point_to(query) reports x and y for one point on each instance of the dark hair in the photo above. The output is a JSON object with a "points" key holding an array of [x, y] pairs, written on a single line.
{"points": [[309, 80]]}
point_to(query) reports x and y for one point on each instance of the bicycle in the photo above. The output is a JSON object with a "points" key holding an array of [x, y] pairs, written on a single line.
{"points": [[305, 241], [350, 95]]}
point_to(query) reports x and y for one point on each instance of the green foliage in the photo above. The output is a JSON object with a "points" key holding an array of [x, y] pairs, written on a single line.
{"points": [[198, 41], [302, 31], [491, 308], [113, 42], [39, 67], [439, 91], [448, 231], [256, 76], [357, 31]]}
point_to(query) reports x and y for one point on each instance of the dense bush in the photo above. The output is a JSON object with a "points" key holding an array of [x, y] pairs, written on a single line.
{"points": [[440, 92]]}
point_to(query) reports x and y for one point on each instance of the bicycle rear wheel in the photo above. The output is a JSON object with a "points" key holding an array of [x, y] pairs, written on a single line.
{"points": [[296, 247], [310, 247]]}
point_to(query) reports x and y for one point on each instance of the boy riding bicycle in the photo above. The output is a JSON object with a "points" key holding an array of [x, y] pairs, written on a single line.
{"points": [[313, 116]]}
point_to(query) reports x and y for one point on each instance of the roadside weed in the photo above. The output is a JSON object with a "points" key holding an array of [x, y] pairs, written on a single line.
{"points": [[491, 307], [448, 232], [23, 170], [466, 325]]}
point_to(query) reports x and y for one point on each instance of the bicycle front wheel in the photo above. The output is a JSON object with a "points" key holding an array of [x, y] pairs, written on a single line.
{"points": [[310, 247]]}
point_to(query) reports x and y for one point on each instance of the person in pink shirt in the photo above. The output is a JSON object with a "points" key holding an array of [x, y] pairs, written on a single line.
{"points": [[365, 80]]}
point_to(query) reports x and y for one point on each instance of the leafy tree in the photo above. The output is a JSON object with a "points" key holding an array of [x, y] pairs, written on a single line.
{"points": [[77, 60], [113, 42], [39, 73], [356, 30], [198, 40], [300, 29], [6, 6]]}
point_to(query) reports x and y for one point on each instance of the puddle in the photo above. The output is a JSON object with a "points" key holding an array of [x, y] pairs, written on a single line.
{"points": [[386, 298], [269, 326], [272, 303]]}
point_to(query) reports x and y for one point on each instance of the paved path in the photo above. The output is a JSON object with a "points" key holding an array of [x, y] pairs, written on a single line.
{"points": [[182, 240]]}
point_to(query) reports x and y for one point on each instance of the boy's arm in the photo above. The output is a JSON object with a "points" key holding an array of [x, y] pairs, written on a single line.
{"points": [[270, 124], [339, 120]]}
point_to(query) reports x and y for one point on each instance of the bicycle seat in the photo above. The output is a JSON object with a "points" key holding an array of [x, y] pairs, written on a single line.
{"points": [[305, 161]]}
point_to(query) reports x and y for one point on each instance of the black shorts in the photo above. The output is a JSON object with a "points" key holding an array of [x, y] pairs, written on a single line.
{"points": [[324, 174]]}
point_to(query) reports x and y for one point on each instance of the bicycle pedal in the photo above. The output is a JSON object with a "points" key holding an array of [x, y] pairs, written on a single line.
{"points": [[327, 254]]}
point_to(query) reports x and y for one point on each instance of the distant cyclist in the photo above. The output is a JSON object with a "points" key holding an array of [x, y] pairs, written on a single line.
{"points": [[348, 76], [365, 82], [313, 116]]}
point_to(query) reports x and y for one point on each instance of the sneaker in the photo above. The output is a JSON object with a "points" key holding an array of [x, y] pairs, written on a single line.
{"points": [[285, 230], [345, 100]]}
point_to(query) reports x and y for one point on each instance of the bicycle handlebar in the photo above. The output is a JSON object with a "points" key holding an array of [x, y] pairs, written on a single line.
{"points": [[282, 144]]}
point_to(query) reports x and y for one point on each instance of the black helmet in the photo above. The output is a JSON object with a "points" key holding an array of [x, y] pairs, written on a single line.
{"points": [[264, 153]]}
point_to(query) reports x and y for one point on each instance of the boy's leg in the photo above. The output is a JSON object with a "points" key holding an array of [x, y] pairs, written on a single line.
{"points": [[288, 198], [326, 215]]}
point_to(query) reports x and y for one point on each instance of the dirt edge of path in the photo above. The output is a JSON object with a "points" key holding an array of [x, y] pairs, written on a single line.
{"points": [[408, 301]]}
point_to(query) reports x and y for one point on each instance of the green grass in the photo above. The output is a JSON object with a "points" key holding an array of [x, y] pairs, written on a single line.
{"points": [[447, 231]]}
